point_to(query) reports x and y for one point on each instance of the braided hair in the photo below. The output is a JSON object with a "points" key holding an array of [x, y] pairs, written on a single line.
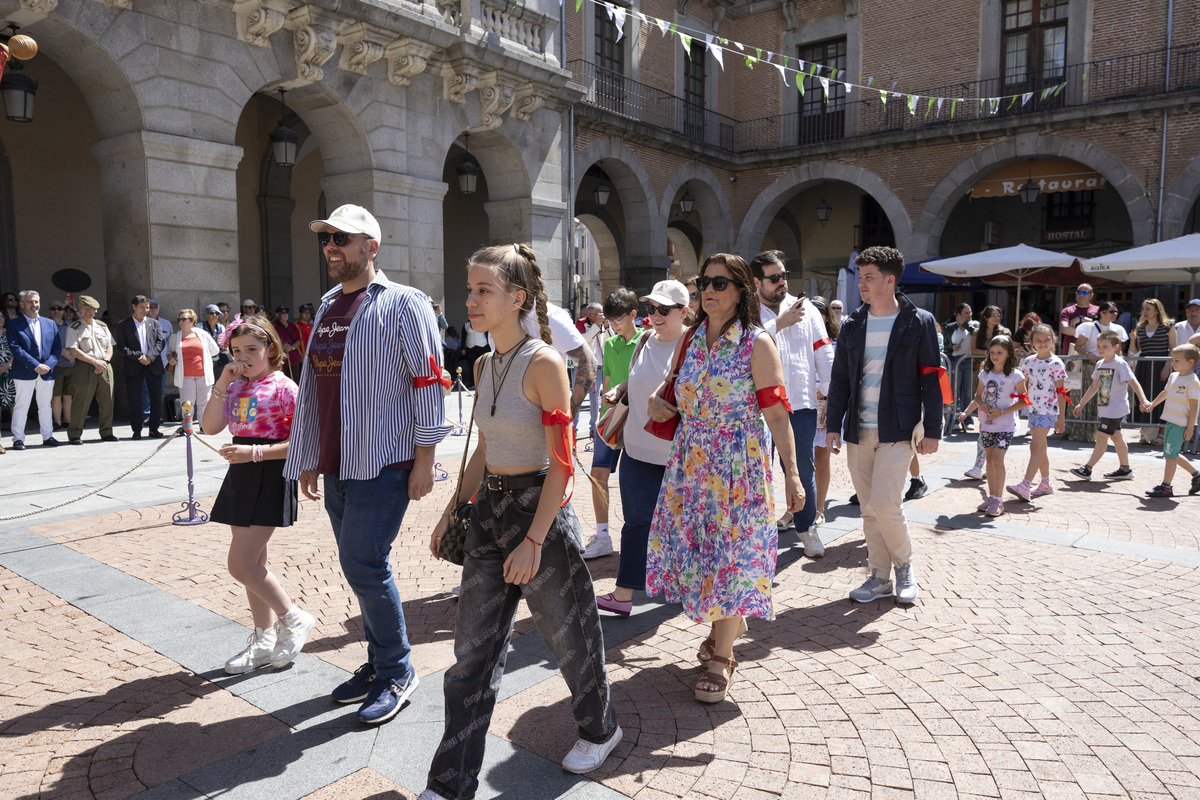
{"points": [[517, 265]]}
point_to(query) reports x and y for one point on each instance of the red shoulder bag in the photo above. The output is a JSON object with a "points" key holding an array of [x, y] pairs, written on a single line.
{"points": [[666, 430]]}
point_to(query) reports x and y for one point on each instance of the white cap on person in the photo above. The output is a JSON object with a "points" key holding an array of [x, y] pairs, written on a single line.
{"points": [[668, 293], [349, 219]]}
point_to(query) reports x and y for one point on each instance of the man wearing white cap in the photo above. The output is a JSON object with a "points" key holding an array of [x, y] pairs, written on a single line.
{"points": [[1189, 326], [807, 356], [369, 415]]}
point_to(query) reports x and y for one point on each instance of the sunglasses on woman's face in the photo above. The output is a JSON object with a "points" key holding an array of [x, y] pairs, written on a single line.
{"points": [[662, 311], [694, 295], [719, 283], [340, 238]]}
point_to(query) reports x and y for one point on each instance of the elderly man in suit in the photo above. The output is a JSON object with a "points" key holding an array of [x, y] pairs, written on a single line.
{"points": [[35, 346], [141, 341]]}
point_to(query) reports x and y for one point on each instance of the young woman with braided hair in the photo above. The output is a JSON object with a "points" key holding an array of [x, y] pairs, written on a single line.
{"points": [[519, 541]]}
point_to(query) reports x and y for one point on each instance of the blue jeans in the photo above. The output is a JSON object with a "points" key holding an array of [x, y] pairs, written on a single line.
{"points": [[563, 604], [640, 483], [961, 377], [603, 456], [804, 430], [366, 517]]}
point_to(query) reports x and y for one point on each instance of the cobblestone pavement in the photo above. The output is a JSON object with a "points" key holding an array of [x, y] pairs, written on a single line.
{"points": [[1053, 654]]}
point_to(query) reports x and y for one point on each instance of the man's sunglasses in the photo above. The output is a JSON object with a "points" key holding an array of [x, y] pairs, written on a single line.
{"points": [[662, 311], [720, 283], [56, 308], [340, 238], [1082, 292], [775, 278]]}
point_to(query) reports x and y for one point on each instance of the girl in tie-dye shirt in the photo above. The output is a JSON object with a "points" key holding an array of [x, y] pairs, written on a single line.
{"points": [[255, 498]]}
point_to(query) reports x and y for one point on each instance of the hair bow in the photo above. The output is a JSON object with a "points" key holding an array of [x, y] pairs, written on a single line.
{"points": [[435, 376], [224, 336]]}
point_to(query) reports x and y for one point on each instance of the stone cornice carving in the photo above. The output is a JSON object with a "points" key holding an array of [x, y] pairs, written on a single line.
{"points": [[257, 20], [496, 94], [42, 7], [527, 101], [362, 45], [407, 58], [788, 9], [851, 8], [316, 37], [457, 79]]}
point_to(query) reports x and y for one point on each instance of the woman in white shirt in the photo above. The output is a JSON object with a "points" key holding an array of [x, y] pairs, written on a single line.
{"points": [[190, 355], [645, 459], [1088, 332]]}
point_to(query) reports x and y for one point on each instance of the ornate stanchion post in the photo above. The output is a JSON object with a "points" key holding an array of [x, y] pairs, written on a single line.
{"points": [[190, 514], [458, 390]]}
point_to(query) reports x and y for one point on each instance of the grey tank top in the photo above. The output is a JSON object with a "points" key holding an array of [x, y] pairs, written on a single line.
{"points": [[515, 436]]}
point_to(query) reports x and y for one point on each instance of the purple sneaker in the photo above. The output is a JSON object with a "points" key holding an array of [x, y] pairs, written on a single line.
{"points": [[1022, 490], [609, 602]]}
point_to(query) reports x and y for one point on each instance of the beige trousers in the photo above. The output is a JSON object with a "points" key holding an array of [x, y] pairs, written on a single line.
{"points": [[879, 471]]}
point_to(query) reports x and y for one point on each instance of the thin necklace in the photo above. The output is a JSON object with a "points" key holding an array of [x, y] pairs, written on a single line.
{"points": [[504, 375]]}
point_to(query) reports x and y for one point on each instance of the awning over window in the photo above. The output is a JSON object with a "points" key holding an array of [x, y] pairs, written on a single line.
{"points": [[1050, 174]]}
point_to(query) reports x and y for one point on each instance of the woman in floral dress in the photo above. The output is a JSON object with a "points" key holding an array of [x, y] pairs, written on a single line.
{"points": [[713, 539]]}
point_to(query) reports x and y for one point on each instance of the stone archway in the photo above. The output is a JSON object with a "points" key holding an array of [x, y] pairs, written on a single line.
{"points": [[712, 206], [927, 235], [1182, 196], [758, 219]]}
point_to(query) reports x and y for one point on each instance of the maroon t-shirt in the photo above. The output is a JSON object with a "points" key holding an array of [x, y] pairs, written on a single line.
{"points": [[1074, 315], [326, 349]]}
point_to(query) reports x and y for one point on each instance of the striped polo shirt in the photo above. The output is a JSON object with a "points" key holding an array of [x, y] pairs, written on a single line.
{"points": [[879, 330]]}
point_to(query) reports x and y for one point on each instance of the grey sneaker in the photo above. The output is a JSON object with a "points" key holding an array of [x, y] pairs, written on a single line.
{"points": [[1124, 473], [906, 586], [813, 546], [873, 588]]}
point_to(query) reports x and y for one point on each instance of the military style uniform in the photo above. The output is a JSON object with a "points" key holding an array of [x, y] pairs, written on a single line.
{"points": [[94, 340]]}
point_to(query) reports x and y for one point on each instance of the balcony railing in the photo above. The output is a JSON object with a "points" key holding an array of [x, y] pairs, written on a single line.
{"points": [[1097, 82]]}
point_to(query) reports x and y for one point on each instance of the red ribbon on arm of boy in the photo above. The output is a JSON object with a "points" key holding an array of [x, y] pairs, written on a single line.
{"points": [[436, 375], [943, 382]]}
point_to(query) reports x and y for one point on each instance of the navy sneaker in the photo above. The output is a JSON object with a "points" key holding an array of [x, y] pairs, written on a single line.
{"points": [[386, 698], [356, 688]]}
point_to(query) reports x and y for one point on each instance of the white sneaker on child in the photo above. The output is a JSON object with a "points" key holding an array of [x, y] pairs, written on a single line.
{"points": [[257, 653], [291, 633]]}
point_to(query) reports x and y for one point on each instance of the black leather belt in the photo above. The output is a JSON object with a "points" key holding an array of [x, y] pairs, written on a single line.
{"points": [[513, 483]]}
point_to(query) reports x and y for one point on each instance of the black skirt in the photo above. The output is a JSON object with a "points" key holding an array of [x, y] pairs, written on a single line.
{"points": [[256, 493]]}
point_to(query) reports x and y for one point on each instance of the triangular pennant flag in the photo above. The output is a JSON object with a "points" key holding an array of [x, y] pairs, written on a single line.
{"points": [[912, 104], [940, 101], [610, 8], [883, 96], [663, 25], [1058, 89], [929, 107], [800, 62], [953, 106], [619, 21], [782, 71], [1046, 91], [1025, 98], [870, 81], [715, 49], [825, 85], [687, 44], [849, 87], [738, 45], [995, 105], [800, 82], [642, 18], [578, 5], [1011, 101]]}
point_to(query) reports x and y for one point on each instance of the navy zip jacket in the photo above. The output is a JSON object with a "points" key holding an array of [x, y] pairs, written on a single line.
{"points": [[913, 345]]}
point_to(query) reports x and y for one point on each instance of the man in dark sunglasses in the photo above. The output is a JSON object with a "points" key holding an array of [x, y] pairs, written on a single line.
{"points": [[807, 356], [369, 415], [1074, 315]]}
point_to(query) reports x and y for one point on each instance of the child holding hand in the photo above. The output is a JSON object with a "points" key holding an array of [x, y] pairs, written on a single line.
{"points": [[1046, 375], [1001, 392], [1181, 398], [1110, 383]]}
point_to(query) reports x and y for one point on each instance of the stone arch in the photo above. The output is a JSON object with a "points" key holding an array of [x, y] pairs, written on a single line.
{"points": [[609, 243], [645, 228], [716, 221], [926, 238], [774, 197], [1183, 194]]}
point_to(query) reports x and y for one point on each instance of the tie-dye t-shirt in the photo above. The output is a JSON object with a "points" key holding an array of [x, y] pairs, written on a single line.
{"points": [[262, 408]]}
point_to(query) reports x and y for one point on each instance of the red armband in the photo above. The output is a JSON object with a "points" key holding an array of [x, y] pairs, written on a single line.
{"points": [[817, 345], [435, 376], [560, 417], [1023, 397], [771, 395], [943, 381], [1065, 392]]}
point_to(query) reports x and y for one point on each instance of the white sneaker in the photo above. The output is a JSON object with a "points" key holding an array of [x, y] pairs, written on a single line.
{"points": [[599, 546], [430, 794], [585, 756], [291, 637], [813, 546], [975, 473], [257, 653]]}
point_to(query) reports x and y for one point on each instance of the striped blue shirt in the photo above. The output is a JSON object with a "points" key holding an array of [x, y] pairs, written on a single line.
{"points": [[879, 331], [384, 418]]}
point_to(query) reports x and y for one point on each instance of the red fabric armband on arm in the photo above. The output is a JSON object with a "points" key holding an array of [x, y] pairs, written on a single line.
{"points": [[771, 395], [560, 417], [435, 376], [1065, 392], [817, 345], [1023, 397], [943, 381]]}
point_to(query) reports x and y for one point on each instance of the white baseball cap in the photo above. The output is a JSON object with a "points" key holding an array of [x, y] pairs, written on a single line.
{"points": [[350, 219], [668, 293]]}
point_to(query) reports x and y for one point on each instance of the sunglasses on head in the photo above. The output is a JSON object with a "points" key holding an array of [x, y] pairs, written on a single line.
{"points": [[775, 278], [340, 238], [719, 283], [662, 311]]}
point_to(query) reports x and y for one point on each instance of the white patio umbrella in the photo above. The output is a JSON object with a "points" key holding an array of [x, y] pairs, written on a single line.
{"points": [[1020, 261], [1172, 261]]}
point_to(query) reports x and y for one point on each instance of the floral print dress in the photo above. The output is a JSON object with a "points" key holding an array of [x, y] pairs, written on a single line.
{"points": [[713, 540]]}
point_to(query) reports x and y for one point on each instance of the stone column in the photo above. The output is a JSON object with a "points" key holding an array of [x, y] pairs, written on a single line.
{"points": [[170, 220]]}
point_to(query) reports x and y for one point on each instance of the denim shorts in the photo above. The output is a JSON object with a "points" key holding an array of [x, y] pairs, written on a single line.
{"points": [[998, 439], [1172, 440], [1042, 420], [603, 456]]}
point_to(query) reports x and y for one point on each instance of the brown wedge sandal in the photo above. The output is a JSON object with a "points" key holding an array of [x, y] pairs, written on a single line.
{"points": [[716, 679], [708, 647]]}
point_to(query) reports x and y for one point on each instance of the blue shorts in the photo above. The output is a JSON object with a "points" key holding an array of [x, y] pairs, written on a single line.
{"points": [[1042, 420], [603, 456]]}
